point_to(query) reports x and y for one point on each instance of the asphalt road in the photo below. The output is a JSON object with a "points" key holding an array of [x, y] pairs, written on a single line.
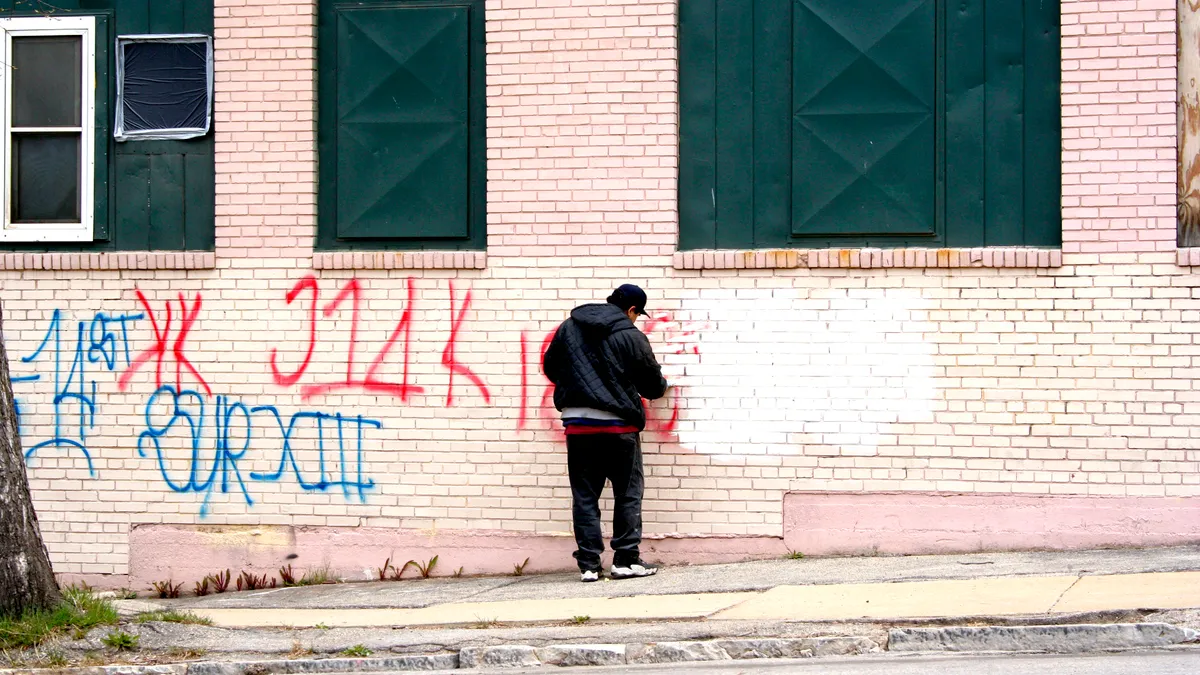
{"points": [[1141, 663]]}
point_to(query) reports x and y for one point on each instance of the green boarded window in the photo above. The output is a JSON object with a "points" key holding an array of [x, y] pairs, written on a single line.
{"points": [[402, 125], [816, 123], [145, 195]]}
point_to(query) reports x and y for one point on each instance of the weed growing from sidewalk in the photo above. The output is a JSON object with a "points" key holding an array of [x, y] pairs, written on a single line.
{"points": [[794, 555], [201, 587], [220, 581], [581, 619], [167, 589], [486, 623], [321, 626], [357, 651], [173, 616], [298, 650], [425, 569], [383, 571], [79, 612], [288, 576], [120, 641], [253, 582], [321, 575], [458, 573], [519, 570], [125, 594]]}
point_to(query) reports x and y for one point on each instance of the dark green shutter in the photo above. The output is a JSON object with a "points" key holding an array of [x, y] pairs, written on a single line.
{"points": [[908, 123], [863, 127], [401, 125], [402, 122]]}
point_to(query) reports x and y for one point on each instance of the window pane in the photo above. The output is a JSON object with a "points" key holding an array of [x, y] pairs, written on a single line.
{"points": [[45, 178], [47, 81]]}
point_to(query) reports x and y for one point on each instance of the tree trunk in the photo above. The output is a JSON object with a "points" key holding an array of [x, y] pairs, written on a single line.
{"points": [[26, 579], [1189, 123]]}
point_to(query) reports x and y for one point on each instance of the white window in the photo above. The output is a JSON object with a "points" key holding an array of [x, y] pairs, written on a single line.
{"points": [[47, 100]]}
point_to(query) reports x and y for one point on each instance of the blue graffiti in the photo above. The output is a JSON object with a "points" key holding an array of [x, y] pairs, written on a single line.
{"points": [[96, 342], [213, 462]]}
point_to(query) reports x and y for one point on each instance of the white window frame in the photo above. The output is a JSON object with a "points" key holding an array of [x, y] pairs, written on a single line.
{"points": [[84, 26]]}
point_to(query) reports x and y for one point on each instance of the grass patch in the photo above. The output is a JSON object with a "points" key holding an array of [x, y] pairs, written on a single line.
{"points": [[317, 577], [173, 616], [581, 619], [79, 612], [120, 641], [185, 653]]}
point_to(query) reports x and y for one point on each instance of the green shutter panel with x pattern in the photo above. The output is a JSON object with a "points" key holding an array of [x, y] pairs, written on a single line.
{"points": [[863, 124], [402, 122]]}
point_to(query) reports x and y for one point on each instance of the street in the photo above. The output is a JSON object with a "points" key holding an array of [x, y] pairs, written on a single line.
{"points": [[1143, 663]]}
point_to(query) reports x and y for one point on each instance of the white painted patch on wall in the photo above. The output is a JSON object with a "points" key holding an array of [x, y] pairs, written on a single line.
{"points": [[795, 371]]}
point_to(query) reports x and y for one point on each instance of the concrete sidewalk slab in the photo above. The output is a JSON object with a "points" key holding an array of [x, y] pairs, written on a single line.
{"points": [[728, 578], [921, 599], [988, 596], [1169, 590], [648, 607]]}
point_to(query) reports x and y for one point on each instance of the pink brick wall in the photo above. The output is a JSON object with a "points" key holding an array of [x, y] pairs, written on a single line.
{"points": [[1060, 380]]}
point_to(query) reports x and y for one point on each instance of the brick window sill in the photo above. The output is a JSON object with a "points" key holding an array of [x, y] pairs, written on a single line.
{"points": [[399, 260], [1187, 257], [115, 260], [869, 258]]}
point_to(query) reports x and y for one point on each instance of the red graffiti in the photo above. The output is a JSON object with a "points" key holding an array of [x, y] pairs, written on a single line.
{"points": [[159, 349], [404, 389], [309, 282], [448, 356], [523, 414], [369, 382], [187, 318]]}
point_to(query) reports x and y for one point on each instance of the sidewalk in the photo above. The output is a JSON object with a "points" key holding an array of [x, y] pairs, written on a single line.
{"points": [[963, 587]]}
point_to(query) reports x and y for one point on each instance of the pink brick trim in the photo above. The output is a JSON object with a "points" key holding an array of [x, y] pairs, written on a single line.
{"points": [[400, 260], [124, 260], [868, 258], [1187, 257]]}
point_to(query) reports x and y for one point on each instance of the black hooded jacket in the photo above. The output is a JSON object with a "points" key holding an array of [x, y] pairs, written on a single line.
{"points": [[599, 359]]}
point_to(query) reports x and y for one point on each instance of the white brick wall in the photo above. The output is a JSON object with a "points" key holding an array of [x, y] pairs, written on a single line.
{"points": [[1070, 380]]}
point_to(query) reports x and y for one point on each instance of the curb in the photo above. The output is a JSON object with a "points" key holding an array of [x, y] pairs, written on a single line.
{"points": [[1062, 639], [1070, 638]]}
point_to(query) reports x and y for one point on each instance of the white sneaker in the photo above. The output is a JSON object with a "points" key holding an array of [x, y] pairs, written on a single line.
{"points": [[641, 568], [589, 575]]}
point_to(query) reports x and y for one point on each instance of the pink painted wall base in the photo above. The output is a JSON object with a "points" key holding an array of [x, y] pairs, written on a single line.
{"points": [[823, 524], [188, 553]]}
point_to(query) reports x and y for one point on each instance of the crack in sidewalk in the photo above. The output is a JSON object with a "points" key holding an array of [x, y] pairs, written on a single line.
{"points": [[1065, 591]]}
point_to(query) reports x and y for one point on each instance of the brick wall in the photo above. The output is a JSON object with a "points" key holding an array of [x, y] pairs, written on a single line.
{"points": [[1075, 379]]}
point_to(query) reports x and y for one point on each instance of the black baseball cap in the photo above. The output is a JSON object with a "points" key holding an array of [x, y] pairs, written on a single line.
{"points": [[629, 296]]}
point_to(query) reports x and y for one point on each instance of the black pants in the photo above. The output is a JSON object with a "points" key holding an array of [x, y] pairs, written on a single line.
{"points": [[592, 458]]}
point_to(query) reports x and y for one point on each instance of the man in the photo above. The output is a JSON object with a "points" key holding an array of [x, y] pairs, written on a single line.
{"points": [[602, 367]]}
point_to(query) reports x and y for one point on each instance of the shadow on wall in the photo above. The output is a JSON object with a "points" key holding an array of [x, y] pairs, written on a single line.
{"points": [[787, 372]]}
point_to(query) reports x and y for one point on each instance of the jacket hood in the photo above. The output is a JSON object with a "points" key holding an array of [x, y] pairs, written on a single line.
{"points": [[601, 318]]}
